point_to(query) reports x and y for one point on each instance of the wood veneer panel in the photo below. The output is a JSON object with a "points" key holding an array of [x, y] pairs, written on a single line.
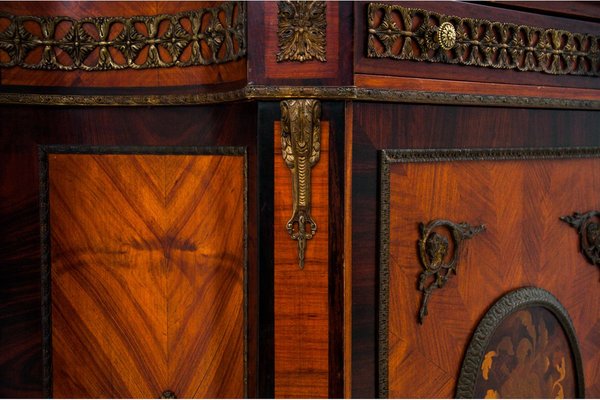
{"points": [[301, 295], [147, 275], [525, 244], [23, 128]]}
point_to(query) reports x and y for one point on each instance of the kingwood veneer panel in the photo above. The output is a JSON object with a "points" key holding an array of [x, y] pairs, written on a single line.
{"points": [[301, 295], [525, 244], [147, 275]]}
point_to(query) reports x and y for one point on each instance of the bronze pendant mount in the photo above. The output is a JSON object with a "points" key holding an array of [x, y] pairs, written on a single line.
{"points": [[301, 149], [588, 227], [440, 246]]}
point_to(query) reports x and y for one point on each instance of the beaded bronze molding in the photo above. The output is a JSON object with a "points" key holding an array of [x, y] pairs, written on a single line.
{"points": [[301, 150], [439, 256], [260, 92], [302, 30], [414, 34], [115, 43], [588, 228]]}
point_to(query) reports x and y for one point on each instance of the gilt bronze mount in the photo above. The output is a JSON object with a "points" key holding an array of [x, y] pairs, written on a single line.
{"points": [[302, 29], [588, 227], [402, 33], [439, 252], [301, 149], [90, 44]]}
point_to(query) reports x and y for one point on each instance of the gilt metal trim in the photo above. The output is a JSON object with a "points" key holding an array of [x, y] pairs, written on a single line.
{"points": [[301, 150], [434, 248], [261, 92], [402, 33], [588, 228], [91, 44], [302, 31], [508, 304]]}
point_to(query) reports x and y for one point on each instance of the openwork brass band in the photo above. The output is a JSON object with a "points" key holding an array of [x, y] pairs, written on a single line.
{"points": [[301, 150], [302, 31], [201, 37], [414, 34], [440, 246], [588, 227]]}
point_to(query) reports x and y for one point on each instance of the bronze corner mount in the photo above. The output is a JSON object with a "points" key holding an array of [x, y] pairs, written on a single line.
{"points": [[588, 228], [301, 149], [439, 255], [302, 31]]}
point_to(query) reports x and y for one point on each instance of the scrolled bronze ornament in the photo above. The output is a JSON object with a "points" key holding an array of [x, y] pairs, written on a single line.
{"points": [[116, 43], [439, 254], [301, 150], [588, 227], [422, 35], [302, 30]]}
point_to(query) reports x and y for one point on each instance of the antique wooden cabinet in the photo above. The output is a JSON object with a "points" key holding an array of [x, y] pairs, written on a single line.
{"points": [[299, 199]]}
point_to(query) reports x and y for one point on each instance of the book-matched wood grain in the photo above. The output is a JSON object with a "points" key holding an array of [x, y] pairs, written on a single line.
{"points": [[147, 275], [525, 244], [301, 295]]}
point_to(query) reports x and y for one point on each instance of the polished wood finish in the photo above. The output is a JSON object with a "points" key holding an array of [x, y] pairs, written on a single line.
{"points": [[395, 126], [301, 295], [147, 275], [228, 73], [524, 244], [311, 332]]}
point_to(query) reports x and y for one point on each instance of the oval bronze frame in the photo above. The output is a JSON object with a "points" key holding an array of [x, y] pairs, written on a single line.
{"points": [[514, 301]]}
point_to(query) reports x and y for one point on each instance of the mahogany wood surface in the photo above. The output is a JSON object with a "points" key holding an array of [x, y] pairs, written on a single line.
{"points": [[22, 130], [464, 73], [524, 244], [206, 75], [147, 272], [301, 295], [396, 126]]}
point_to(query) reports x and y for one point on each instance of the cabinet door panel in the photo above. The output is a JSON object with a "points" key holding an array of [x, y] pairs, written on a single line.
{"points": [[147, 274], [519, 196]]}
